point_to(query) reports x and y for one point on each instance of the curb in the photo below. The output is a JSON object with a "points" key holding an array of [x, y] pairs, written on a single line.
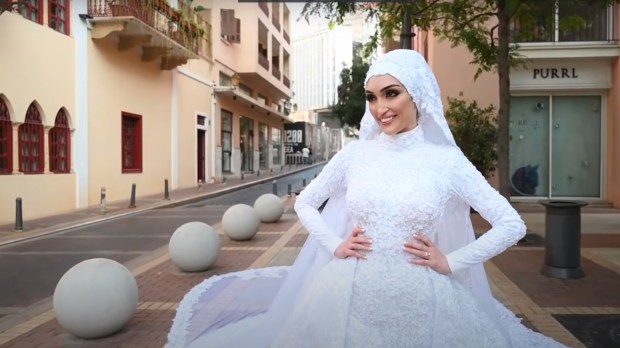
{"points": [[151, 206]]}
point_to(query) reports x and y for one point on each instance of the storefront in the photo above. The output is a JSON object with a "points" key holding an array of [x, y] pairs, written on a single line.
{"points": [[557, 121]]}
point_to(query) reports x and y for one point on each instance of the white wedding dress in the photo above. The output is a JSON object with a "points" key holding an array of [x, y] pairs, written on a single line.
{"points": [[394, 187]]}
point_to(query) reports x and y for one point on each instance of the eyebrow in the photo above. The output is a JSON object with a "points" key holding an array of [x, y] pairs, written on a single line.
{"points": [[384, 88]]}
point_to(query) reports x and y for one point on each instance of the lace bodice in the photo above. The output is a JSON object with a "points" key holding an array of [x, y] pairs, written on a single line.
{"points": [[398, 186]]}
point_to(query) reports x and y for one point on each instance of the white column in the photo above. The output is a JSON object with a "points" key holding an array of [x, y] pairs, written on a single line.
{"points": [[80, 155]]}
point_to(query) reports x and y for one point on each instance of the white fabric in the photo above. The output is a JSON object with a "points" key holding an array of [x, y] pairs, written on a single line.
{"points": [[418, 182]]}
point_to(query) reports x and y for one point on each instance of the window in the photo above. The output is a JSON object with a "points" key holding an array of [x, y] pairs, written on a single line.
{"points": [[6, 140], [562, 21], [60, 144], [31, 142], [226, 140], [58, 15], [230, 27], [31, 9], [132, 143], [276, 138]]}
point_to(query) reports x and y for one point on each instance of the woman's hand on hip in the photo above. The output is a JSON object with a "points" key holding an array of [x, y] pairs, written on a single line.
{"points": [[427, 254], [352, 246]]}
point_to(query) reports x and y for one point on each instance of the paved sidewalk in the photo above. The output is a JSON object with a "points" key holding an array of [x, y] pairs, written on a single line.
{"points": [[51, 224], [579, 313]]}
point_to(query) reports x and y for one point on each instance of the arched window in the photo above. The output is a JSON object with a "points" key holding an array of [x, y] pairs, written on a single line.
{"points": [[6, 140], [60, 144], [31, 142]]}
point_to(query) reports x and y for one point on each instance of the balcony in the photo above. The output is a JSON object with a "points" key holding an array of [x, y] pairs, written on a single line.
{"points": [[565, 31], [263, 61], [276, 72], [165, 33], [286, 37], [286, 81]]}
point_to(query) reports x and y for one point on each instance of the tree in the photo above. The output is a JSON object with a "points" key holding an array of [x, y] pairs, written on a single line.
{"points": [[351, 103], [484, 27]]}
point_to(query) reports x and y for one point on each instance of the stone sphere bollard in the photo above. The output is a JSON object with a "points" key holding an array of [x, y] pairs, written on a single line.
{"points": [[194, 246], [95, 298], [269, 207], [240, 222]]}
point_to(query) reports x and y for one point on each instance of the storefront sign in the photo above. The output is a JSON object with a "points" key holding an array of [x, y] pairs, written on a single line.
{"points": [[555, 73], [562, 74]]}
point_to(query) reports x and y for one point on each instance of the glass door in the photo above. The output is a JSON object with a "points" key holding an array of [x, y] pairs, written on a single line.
{"points": [[246, 144], [529, 146], [576, 146]]}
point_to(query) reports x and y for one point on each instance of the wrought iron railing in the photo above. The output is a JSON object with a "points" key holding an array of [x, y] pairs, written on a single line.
{"points": [[181, 25]]}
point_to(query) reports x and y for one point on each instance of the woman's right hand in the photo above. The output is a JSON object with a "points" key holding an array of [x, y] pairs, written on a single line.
{"points": [[353, 244]]}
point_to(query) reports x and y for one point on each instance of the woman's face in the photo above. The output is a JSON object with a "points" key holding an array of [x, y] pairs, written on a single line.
{"points": [[390, 104]]}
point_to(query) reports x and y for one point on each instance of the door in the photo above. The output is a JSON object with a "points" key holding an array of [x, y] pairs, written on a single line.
{"points": [[576, 146], [246, 144], [201, 160]]}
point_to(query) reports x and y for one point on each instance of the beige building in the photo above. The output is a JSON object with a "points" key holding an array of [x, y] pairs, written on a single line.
{"points": [[113, 93], [565, 109]]}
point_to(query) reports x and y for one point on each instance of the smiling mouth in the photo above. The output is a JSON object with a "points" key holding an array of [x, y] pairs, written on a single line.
{"points": [[387, 120]]}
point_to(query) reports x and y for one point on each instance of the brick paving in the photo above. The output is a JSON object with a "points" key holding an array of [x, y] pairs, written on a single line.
{"points": [[514, 277]]}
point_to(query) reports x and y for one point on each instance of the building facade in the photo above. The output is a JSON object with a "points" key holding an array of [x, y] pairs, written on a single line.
{"points": [[565, 109], [106, 94]]}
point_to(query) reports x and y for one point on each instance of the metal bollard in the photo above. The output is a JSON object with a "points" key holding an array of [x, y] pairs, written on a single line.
{"points": [[166, 191], [290, 189], [19, 220], [563, 239], [282, 168], [242, 176], [304, 183], [132, 202], [271, 170], [102, 202], [275, 187], [224, 180], [258, 172], [315, 175]]}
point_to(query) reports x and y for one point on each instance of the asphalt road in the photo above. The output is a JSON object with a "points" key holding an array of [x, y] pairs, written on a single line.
{"points": [[29, 271]]}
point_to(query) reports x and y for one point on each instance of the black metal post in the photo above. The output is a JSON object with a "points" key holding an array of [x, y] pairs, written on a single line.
{"points": [[304, 183], [290, 189], [132, 201], [242, 176], [258, 172], [275, 187], [166, 190], [102, 202], [19, 220]]}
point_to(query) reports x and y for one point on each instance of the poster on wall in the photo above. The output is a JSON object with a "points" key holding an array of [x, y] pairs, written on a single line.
{"points": [[294, 137]]}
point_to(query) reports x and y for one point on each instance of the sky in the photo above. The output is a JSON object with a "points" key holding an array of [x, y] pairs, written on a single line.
{"points": [[300, 27]]}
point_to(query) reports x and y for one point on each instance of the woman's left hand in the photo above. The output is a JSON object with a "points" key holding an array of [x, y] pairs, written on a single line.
{"points": [[428, 254]]}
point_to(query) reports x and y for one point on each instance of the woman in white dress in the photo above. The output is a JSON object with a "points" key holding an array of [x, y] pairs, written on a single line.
{"points": [[392, 260]]}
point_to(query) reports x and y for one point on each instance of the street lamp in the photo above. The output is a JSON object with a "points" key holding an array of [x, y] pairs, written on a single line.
{"points": [[235, 80]]}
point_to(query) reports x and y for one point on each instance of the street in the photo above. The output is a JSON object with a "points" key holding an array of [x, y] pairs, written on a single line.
{"points": [[30, 270]]}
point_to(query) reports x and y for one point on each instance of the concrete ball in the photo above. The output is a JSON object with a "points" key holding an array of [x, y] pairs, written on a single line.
{"points": [[95, 298], [269, 207], [240, 222], [194, 246]]}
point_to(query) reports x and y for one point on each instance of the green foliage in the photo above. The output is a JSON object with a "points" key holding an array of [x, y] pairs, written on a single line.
{"points": [[475, 131], [351, 94]]}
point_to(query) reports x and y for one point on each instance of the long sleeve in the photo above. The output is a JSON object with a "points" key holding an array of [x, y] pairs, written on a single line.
{"points": [[507, 226], [329, 181]]}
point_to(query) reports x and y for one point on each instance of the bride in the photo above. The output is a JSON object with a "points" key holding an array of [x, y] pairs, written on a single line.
{"points": [[392, 260]]}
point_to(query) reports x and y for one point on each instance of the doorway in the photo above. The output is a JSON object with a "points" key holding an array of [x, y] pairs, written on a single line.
{"points": [[201, 149]]}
